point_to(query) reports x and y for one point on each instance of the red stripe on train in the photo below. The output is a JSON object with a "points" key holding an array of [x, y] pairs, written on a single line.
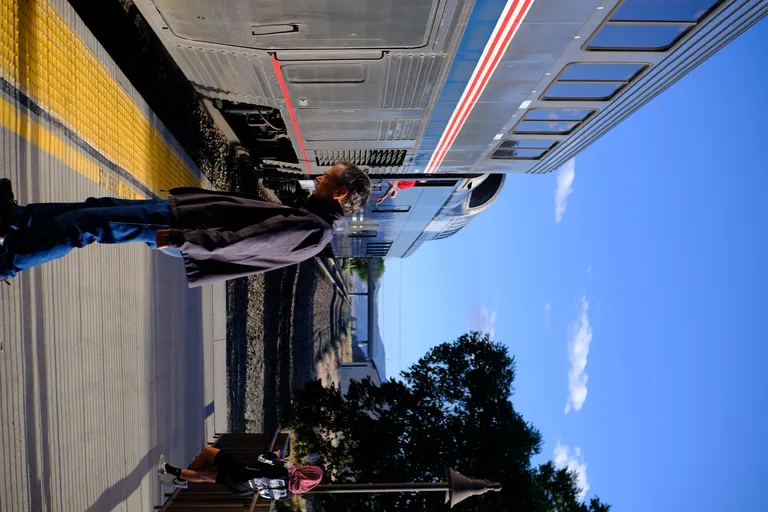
{"points": [[291, 112], [489, 61]]}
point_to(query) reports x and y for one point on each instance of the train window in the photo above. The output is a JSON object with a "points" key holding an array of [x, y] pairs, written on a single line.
{"points": [[528, 144], [391, 208], [378, 249], [522, 154], [362, 224], [664, 10], [584, 91], [363, 228], [557, 114], [554, 127], [600, 72], [436, 183], [637, 36]]}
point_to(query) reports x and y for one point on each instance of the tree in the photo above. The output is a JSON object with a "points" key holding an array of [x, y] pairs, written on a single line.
{"points": [[451, 408], [360, 267]]}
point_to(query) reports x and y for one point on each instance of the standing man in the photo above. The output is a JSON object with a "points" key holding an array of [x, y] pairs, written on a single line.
{"points": [[219, 235]]}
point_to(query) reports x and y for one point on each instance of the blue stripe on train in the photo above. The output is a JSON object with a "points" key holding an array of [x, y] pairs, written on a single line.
{"points": [[485, 15]]}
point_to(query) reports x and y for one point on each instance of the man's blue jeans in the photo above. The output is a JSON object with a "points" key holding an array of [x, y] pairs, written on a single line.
{"points": [[47, 231]]}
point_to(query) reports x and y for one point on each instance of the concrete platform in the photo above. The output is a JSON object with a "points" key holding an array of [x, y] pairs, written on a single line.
{"points": [[107, 358]]}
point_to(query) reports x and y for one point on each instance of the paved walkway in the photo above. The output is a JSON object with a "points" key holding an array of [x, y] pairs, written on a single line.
{"points": [[107, 358]]}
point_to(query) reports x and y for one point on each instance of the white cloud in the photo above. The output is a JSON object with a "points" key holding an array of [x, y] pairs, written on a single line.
{"points": [[547, 313], [564, 188], [589, 272], [483, 321], [579, 339], [574, 462]]}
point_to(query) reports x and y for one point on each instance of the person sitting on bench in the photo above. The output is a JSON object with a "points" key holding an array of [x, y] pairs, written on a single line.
{"points": [[273, 478]]}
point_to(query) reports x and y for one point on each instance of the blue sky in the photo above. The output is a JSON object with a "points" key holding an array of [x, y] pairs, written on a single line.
{"points": [[657, 269]]}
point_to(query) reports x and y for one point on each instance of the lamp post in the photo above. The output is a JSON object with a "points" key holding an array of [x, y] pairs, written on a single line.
{"points": [[456, 489]]}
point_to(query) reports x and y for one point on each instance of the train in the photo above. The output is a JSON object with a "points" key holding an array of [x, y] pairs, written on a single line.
{"points": [[458, 94]]}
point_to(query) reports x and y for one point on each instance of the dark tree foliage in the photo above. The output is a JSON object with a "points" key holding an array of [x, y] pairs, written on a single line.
{"points": [[360, 267], [452, 408]]}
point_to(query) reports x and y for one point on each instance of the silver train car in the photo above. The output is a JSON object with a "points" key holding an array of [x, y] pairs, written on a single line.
{"points": [[458, 93]]}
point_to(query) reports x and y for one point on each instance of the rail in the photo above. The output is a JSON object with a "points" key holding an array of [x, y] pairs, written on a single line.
{"points": [[333, 272]]}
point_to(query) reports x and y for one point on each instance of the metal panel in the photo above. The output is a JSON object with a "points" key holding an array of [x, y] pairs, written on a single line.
{"points": [[291, 24], [399, 129], [344, 85], [373, 59], [325, 73], [227, 75], [371, 157], [340, 131], [411, 79], [394, 128]]}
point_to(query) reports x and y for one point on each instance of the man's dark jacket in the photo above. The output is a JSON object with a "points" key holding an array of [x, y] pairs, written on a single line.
{"points": [[226, 235]]}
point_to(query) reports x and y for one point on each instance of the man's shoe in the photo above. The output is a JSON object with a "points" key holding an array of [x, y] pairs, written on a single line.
{"points": [[6, 191], [4, 277], [7, 204]]}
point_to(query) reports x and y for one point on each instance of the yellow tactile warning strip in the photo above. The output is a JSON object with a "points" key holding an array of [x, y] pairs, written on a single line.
{"points": [[43, 57], [36, 133]]}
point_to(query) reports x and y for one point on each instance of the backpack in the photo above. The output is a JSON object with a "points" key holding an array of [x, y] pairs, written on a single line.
{"points": [[270, 488]]}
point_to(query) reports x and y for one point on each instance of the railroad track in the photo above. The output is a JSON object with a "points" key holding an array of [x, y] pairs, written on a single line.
{"points": [[332, 271]]}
